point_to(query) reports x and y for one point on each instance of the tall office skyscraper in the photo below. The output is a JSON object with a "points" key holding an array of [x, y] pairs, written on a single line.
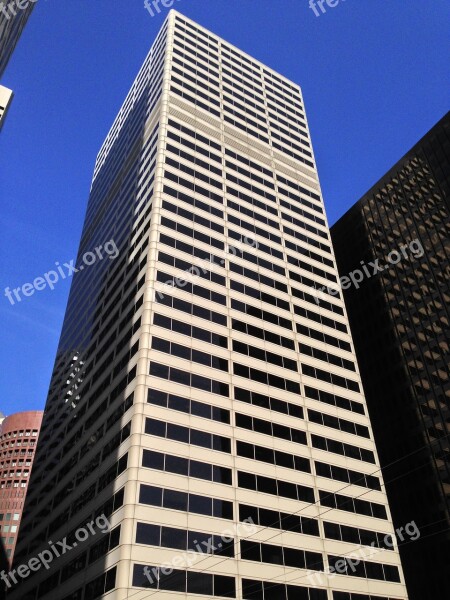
{"points": [[12, 21], [400, 321], [198, 387]]}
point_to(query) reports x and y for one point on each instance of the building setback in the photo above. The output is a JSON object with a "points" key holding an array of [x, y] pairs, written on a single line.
{"points": [[18, 437], [400, 321], [198, 388]]}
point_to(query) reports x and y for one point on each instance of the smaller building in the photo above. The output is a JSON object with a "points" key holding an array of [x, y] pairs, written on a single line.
{"points": [[6, 96], [18, 440]]}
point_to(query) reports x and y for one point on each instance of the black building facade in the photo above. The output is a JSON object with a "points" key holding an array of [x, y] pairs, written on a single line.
{"points": [[399, 318]]}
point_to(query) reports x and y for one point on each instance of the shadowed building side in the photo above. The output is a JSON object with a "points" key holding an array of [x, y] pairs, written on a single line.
{"points": [[400, 321]]}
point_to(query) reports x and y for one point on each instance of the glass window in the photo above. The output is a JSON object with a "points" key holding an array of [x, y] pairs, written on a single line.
{"points": [[150, 495], [175, 500]]}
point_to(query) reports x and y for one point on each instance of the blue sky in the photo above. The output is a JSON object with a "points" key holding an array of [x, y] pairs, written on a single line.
{"points": [[374, 79]]}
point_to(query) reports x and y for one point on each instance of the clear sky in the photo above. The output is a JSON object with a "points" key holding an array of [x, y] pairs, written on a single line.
{"points": [[374, 78]]}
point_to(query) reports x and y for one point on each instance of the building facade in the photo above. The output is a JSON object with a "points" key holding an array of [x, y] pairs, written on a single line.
{"points": [[12, 21], [200, 398], [400, 322], [18, 439], [6, 96]]}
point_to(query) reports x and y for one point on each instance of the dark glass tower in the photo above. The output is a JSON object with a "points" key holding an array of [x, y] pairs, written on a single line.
{"points": [[400, 324]]}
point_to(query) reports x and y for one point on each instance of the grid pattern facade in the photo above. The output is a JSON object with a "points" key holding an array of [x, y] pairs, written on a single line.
{"points": [[18, 438], [198, 384], [400, 322]]}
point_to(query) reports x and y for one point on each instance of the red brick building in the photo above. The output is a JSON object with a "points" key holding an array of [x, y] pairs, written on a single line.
{"points": [[18, 440]]}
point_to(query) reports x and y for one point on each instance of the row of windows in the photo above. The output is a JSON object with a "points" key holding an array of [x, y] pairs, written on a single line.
{"points": [[334, 400], [330, 378], [247, 130], [183, 265], [187, 502], [194, 187], [253, 201], [263, 334], [342, 448], [277, 520], [266, 378], [302, 225], [191, 288], [368, 570], [273, 457], [313, 300], [269, 428], [248, 162], [290, 143], [354, 505], [273, 404], [182, 539], [195, 202], [270, 235], [193, 147], [308, 253], [306, 238], [345, 533], [194, 159], [198, 333], [192, 172], [190, 379], [290, 153], [353, 596], [323, 337], [251, 175], [187, 582], [244, 108], [184, 48], [255, 293], [196, 356], [188, 231], [326, 357], [194, 134], [188, 406], [297, 262], [195, 437], [278, 487], [256, 216], [187, 467], [259, 313], [199, 32], [279, 555], [265, 355], [199, 70], [336, 423], [197, 84], [191, 250], [347, 476], [267, 590]]}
